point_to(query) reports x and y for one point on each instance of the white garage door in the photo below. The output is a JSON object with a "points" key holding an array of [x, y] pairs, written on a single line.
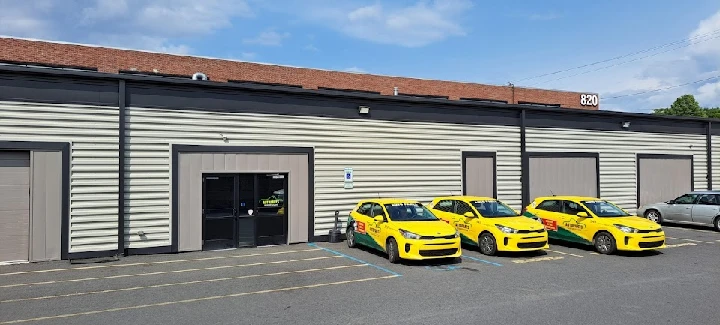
{"points": [[563, 176], [14, 206], [479, 176], [663, 179]]}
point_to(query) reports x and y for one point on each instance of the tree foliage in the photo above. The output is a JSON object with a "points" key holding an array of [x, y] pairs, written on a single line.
{"points": [[686, 105]]}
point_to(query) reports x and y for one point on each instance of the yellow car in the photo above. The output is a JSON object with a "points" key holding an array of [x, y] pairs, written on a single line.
{"points": [[490, 224], [404, 229], [596, 222]]}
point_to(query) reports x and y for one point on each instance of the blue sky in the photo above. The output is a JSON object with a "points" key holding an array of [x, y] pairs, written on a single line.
{"points": [[492, 42]]}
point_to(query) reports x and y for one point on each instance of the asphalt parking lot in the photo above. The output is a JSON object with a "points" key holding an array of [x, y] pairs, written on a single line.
{"points": [[329, 283]]}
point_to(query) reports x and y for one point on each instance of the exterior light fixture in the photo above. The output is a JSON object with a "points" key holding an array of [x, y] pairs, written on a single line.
{"points": [[626, 125], [364, 109]]}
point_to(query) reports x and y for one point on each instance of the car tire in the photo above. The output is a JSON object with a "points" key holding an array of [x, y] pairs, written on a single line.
{"points": [[350, 237], [716, 223], [653, 215], [487, 244], [604, 243], [392, 251]]}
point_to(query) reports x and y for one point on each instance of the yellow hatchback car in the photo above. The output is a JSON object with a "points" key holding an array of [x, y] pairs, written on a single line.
{"points": [[404, 229], [490, 224], [596, 222]]}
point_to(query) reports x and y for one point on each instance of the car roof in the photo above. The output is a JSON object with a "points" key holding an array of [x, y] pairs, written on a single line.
{"points": [[704, 192], [567, 197], [465, 198], [389, 200]]}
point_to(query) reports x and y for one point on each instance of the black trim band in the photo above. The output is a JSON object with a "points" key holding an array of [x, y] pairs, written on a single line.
{"points": [[149, 250], [479, 154], [121, 167], [86, 255], [177, 149], [64, 148], [708, 146]]}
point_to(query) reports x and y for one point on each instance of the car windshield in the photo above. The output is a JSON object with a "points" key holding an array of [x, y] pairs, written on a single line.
{"points": [[409, 212], [493, 209], [605, 209]]}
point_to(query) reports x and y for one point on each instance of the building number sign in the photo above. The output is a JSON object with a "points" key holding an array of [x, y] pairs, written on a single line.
{"points": [[589, 100]]}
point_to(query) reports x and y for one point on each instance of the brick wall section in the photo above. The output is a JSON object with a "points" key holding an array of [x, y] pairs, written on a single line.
{"points": [[111, 60]]}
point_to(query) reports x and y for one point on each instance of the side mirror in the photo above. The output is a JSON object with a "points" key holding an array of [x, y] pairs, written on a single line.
{"points": [[469, 215], [582, 214], [379, 218], [670, 202]]}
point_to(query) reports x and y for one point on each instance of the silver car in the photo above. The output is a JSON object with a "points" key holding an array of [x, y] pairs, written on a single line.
{"points": [[699, 208]]}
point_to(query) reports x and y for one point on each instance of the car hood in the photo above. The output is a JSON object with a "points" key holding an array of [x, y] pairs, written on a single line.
{"points": [[519, 223], [634, 221], [426, 228]]}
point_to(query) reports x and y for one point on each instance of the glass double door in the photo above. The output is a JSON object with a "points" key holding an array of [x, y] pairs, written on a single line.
{"points": [[244, 210]]}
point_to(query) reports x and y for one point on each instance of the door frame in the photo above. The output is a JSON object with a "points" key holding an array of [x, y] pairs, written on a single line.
{"points": [[479, 154], [235, 203], [176, 149]]}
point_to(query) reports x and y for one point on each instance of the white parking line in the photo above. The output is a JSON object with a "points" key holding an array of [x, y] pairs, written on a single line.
{"points": [[564, 253], [680, 245]]}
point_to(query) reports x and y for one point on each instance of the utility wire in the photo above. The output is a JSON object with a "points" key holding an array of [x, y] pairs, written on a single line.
{"points": [[633, 60], [662, 89], [623, 56]]}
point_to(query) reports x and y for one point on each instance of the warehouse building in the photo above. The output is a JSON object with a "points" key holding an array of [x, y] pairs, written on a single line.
{"points": [[102, 163]]}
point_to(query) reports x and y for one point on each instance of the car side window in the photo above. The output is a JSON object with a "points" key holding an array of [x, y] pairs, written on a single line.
{"points": [[550, 206], [377, 210], [445, 206], [364, 209], [462, 207], [686, 199], [570, 207], [709, 199]]}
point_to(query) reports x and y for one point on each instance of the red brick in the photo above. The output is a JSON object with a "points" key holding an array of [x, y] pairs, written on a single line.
{"points": [[110, 60]]}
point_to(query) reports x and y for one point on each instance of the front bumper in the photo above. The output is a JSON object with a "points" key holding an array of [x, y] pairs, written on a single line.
{"points": [[640, 241], [522, 242], [421, 249]]}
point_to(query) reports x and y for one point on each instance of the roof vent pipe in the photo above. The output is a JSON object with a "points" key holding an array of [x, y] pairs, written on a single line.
{"points": [[199, 76], [395, 91]]}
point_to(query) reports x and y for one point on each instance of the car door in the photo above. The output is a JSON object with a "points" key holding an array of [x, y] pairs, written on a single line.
{"points": [[445, 210], [549, 214], [362, 219], [580, 228], [706, 208], [681, 208], [378, 230], [467, 226]]}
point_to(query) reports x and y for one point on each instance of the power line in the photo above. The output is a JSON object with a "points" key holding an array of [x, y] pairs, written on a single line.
{"points": [[622, 56], [633, 60], [662, 89]]}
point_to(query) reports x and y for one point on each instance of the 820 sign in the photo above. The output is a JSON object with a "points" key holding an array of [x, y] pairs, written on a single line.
{"points": [[589, 100]]}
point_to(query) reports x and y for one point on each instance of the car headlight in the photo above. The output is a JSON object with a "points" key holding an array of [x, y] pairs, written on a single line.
{"points": [[409, 235], [507, 230], [626, 228]]}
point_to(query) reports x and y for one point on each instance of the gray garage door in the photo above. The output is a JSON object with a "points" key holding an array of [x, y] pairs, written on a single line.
{"points": [[662, 179], [14, 206], [563, 176], [480, 176], [191, 167]]}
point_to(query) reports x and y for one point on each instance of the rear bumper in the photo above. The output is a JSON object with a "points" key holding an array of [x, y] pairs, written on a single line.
{"points": [[413, 249], [640, 242], [522, 242]]}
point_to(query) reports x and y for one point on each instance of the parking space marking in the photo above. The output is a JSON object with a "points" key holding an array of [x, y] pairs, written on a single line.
{"points": [[679, 245], [538, 259], [354, 259], [564, 253], [239, 294], [165, 272], [690, 229], [692, 240], [83, 268], [182, 283], [481, 260]]}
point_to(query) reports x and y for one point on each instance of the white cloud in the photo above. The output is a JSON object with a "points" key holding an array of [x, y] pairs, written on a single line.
{"points": [[417, 25], [311, 47], [248, 55], [354, 70], [268, 38], [709, 92], [138, 24]]}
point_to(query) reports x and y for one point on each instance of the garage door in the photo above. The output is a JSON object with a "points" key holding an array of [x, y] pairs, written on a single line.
{"points": [[479, 178], [662, 178], [563, 176], [14, 206]]}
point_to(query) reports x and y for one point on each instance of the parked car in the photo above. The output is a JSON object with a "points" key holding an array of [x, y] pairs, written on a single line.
{"points": [[404, 229], [700, 207], [596, 222], [490, 224]]}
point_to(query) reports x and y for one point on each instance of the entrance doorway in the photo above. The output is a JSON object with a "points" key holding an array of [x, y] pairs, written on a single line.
{"points": [[244, 210]]}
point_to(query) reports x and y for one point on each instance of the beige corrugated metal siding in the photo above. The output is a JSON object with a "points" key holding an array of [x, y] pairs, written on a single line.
{"points": [[618, 155], [93, 134], [414, 160]]}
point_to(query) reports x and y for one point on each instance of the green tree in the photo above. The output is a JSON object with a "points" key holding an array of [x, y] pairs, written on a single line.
{"points": [[685, 105]]}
